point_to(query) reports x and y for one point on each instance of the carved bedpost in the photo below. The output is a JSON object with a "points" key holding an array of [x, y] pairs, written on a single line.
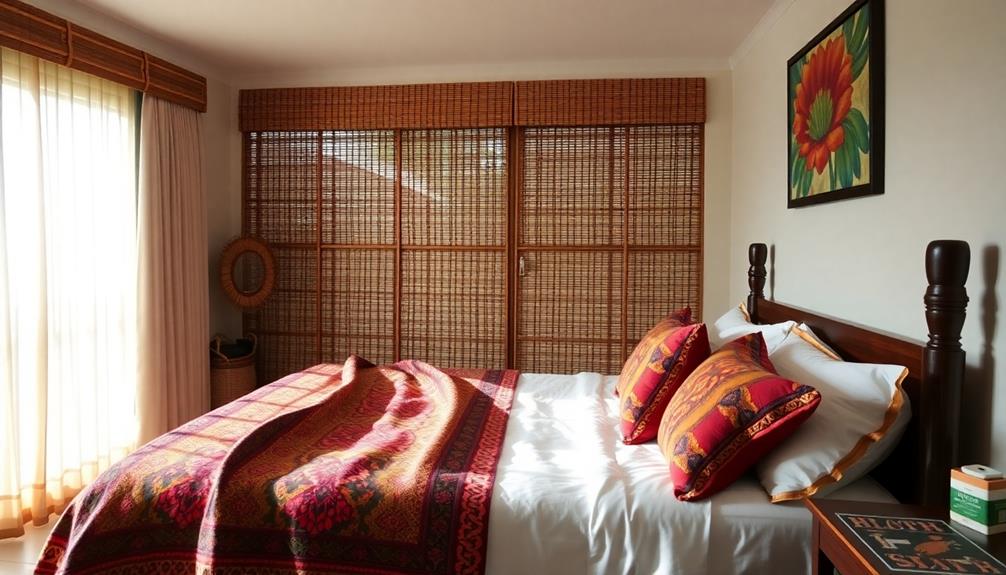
{"points": [[757, 254], [946, 299]]}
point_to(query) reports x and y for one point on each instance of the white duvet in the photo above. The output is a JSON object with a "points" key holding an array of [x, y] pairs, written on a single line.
{"points": [[570, 497]]}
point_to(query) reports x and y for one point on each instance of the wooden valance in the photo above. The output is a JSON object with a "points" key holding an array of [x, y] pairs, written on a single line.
{"points": [[433, 106], [658, 101], [33, 31], [610, 102]]}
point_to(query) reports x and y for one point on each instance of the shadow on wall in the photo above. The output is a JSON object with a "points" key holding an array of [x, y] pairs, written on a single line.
{"points": [[979, 379]]}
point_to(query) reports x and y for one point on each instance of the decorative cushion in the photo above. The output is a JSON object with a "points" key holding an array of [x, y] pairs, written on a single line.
{"points": [[681, 317], [737, 322], [731, 411], [862, 416], [661, 361]]}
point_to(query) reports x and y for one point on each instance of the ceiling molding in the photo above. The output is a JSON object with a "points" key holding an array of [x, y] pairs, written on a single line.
{"points": [[772, 15]]}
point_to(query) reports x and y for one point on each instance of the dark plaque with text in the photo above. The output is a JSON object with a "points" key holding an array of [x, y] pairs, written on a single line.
{"points": [[917, 545]]}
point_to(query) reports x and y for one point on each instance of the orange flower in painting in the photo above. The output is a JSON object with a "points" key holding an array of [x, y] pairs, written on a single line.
{"points": [[823, 99]]}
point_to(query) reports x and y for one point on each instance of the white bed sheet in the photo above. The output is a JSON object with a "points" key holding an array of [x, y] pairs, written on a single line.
{"points": [[570, 497]]}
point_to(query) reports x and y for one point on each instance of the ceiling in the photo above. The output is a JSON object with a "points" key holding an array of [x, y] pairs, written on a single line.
{"points": [[261, 37]]}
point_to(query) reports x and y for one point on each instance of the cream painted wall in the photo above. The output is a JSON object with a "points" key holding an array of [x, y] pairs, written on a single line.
{"points": [[862, 259], [717, 129], [716, 240], [221, 142], [222, 165]]}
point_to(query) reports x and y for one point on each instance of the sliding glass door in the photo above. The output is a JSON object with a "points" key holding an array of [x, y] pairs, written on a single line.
{"points": [[544, 249]]}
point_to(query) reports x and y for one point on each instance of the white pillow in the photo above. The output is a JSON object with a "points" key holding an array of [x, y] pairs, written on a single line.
{"points": [[737, 322], [817, 340], [860, 419]]}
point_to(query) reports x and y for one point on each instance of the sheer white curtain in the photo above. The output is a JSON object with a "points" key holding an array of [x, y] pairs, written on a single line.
{"points": [[68, 284]]}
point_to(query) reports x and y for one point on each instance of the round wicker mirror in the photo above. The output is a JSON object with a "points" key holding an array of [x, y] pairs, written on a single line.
{"points": [[247, 272]]}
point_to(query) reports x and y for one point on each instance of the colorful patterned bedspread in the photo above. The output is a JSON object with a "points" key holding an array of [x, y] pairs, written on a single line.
{"points": [[345, 468]]}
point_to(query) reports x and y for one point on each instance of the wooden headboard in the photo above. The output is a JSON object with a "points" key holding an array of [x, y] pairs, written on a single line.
{"points": [[919, 469]]}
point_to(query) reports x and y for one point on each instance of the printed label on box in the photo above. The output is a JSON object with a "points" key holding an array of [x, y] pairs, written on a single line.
{"points": [[977, 509]]}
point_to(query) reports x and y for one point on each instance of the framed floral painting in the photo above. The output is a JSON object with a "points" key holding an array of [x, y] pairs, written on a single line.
{"points": [[836, 110]]}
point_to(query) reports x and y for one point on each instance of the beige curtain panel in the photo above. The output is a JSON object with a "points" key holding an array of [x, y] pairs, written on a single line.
{"points": [[67, 284], [173, 298]]}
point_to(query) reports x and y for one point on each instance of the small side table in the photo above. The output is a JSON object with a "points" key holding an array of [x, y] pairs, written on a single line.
{"points": [[837, 546]]}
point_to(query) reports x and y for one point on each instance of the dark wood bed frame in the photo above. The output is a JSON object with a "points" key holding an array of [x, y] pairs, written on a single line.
{"points": [[919, 469]]}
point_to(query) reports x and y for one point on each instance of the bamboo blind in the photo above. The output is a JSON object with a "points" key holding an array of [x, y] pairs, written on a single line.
{"points": [[454, 191], [28, 29], [389, 244], [407, 225], [610, 241]]}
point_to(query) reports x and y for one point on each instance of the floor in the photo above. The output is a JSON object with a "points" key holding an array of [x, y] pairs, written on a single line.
{"points": [[17, 556]]}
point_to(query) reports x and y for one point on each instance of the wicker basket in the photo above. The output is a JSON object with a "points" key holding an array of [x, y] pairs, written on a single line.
{"points": [[230, 377]]}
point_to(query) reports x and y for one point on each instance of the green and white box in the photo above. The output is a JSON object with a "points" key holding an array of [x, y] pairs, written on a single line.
{"points": [[978, 503]]}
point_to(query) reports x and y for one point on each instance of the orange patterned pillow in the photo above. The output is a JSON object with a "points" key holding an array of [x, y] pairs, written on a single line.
{"points": [[732, 410], [661, 361]]}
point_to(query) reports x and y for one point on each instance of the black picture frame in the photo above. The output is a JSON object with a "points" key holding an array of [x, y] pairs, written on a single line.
{"points": [[843, 175]]}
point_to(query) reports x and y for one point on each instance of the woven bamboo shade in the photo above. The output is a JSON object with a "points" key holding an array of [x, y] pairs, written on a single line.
{"points": [[410, 250], [281, 202], [358, 304], [453, 307], [281, 186], [412, 222], [358, 188], [418, 106], [454, 200], [570, 311], [610, 102], [454, 187], [610, 241], [357, 243], [33, 31]]}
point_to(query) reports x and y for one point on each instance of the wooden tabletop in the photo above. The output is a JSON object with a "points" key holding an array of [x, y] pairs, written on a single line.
{"points": [[848, 552]]}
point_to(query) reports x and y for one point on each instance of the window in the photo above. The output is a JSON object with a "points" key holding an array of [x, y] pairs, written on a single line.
{"points": [[610, 222], [68, 282], [390, 221]]}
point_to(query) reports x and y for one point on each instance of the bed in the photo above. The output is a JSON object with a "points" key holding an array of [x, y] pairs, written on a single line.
{"points": [[526, 473], [570, 497]]}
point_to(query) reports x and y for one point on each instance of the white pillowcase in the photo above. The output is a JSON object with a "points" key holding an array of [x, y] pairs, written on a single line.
{"points": [[862, 415], [737, 322], [809, 332]]}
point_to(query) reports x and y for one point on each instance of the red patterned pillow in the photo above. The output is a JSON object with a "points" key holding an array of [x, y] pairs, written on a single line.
{"points": [[662, 360], [732, 410]]}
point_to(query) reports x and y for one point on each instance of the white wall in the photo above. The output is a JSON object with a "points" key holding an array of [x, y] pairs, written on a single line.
{"points": [[221, 142], [222, 165], [717, 257], [717, 128], [862, 259]]}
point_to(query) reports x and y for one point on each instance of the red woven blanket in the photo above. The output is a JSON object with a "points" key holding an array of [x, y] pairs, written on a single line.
{"points": [[341, 468]]}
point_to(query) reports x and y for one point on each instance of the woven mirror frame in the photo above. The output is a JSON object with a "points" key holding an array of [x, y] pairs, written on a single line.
{"points": [[250, 289]]}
